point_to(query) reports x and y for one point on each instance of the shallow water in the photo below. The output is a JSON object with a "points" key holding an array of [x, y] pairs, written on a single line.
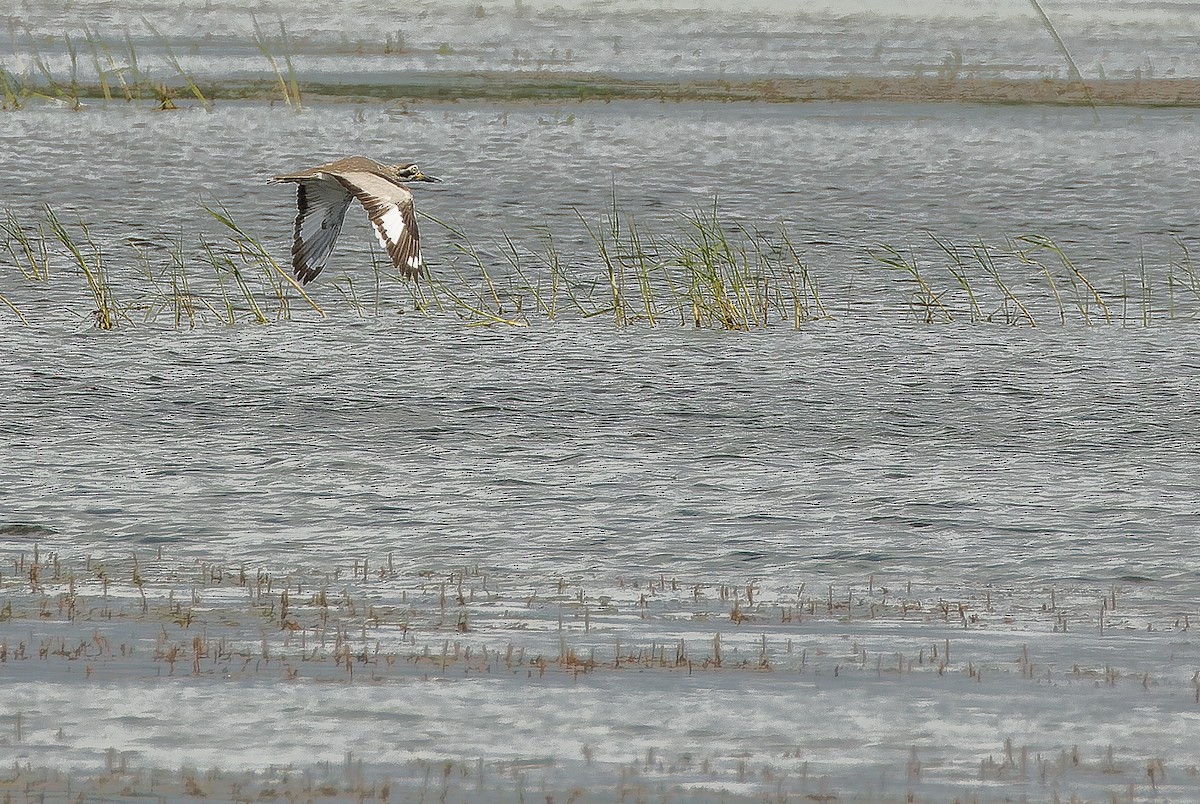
{"points": [[949, 465], [838, 507], [982, 454], [1114, 194]]}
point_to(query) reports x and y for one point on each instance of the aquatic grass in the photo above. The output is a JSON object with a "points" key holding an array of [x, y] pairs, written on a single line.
{"points": [[423, 295], [727, 276], [348, 294], [552, 262], [1086, 294], [156, 295], [1072, 67], [644, 255], [73, 57], [171, 289], [958, 269], [710, 271], [130, 87], [1145, 296], [616, 258], [252, 252], [1011, 310], [288, 86], [477, 310], [559, 276], [217, 266], [787, 289], [487, 306], [16, 90], [4, 300], [612, 273], [377, 276], [67, 94], [165, 97], [115, 72], [806, 294], [92, 267], [136, 79], [1184, 265], [181, 300], [1045, 270], [187, 78], [293, 83], [224, 269], [635, 272], [28, 249], [714, 271], [512, 255], [923, 299], [101, 74]]}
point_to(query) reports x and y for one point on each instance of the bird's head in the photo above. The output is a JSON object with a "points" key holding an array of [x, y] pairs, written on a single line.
{"points": [[410, 172]]}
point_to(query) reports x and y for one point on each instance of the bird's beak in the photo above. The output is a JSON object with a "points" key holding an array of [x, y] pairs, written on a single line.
{"points": [[425, 177]]}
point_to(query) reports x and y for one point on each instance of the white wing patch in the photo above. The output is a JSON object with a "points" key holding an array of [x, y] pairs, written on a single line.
{"points": [[392, 224], [390, 208]]}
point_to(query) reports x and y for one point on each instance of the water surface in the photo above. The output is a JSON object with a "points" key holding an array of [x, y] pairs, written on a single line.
{"points": [[1000, 481]]}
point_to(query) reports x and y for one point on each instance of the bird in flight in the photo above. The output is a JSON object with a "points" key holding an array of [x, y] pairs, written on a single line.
{"points": [[323, 195]]}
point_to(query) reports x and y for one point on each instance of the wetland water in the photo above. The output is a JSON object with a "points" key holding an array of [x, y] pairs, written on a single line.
{"points": [[596, 487], [869, 558]]}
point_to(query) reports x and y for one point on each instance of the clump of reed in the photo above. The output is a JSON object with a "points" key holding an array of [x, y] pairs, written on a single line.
{"points": [[226, 280], [86, 255], [119, 71], [711, 274], [187, 78], [708, 272], [1030, 280], [113, 62], [289, 86]]}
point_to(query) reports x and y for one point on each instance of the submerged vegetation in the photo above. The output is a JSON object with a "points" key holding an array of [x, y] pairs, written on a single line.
{"points": [[156, 620], [707, 272]]}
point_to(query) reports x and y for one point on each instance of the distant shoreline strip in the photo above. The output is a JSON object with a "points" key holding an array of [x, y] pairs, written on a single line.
{"points": [[507, 87]]}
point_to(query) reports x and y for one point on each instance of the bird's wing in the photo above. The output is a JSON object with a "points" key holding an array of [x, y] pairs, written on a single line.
{"points": [[322, 204], [390, 208]]}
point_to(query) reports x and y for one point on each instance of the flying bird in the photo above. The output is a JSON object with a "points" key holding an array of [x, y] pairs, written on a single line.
{"points": [[323, 195]]}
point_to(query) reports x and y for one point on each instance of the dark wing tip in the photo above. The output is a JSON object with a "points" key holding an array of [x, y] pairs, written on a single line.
{"points": [[302, 268], [304, 274]]}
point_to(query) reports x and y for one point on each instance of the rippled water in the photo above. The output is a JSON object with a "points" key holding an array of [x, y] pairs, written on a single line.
{"points": [[959, 460], [841, 177], [1007, 479], [987, 454], [870, 37]]}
